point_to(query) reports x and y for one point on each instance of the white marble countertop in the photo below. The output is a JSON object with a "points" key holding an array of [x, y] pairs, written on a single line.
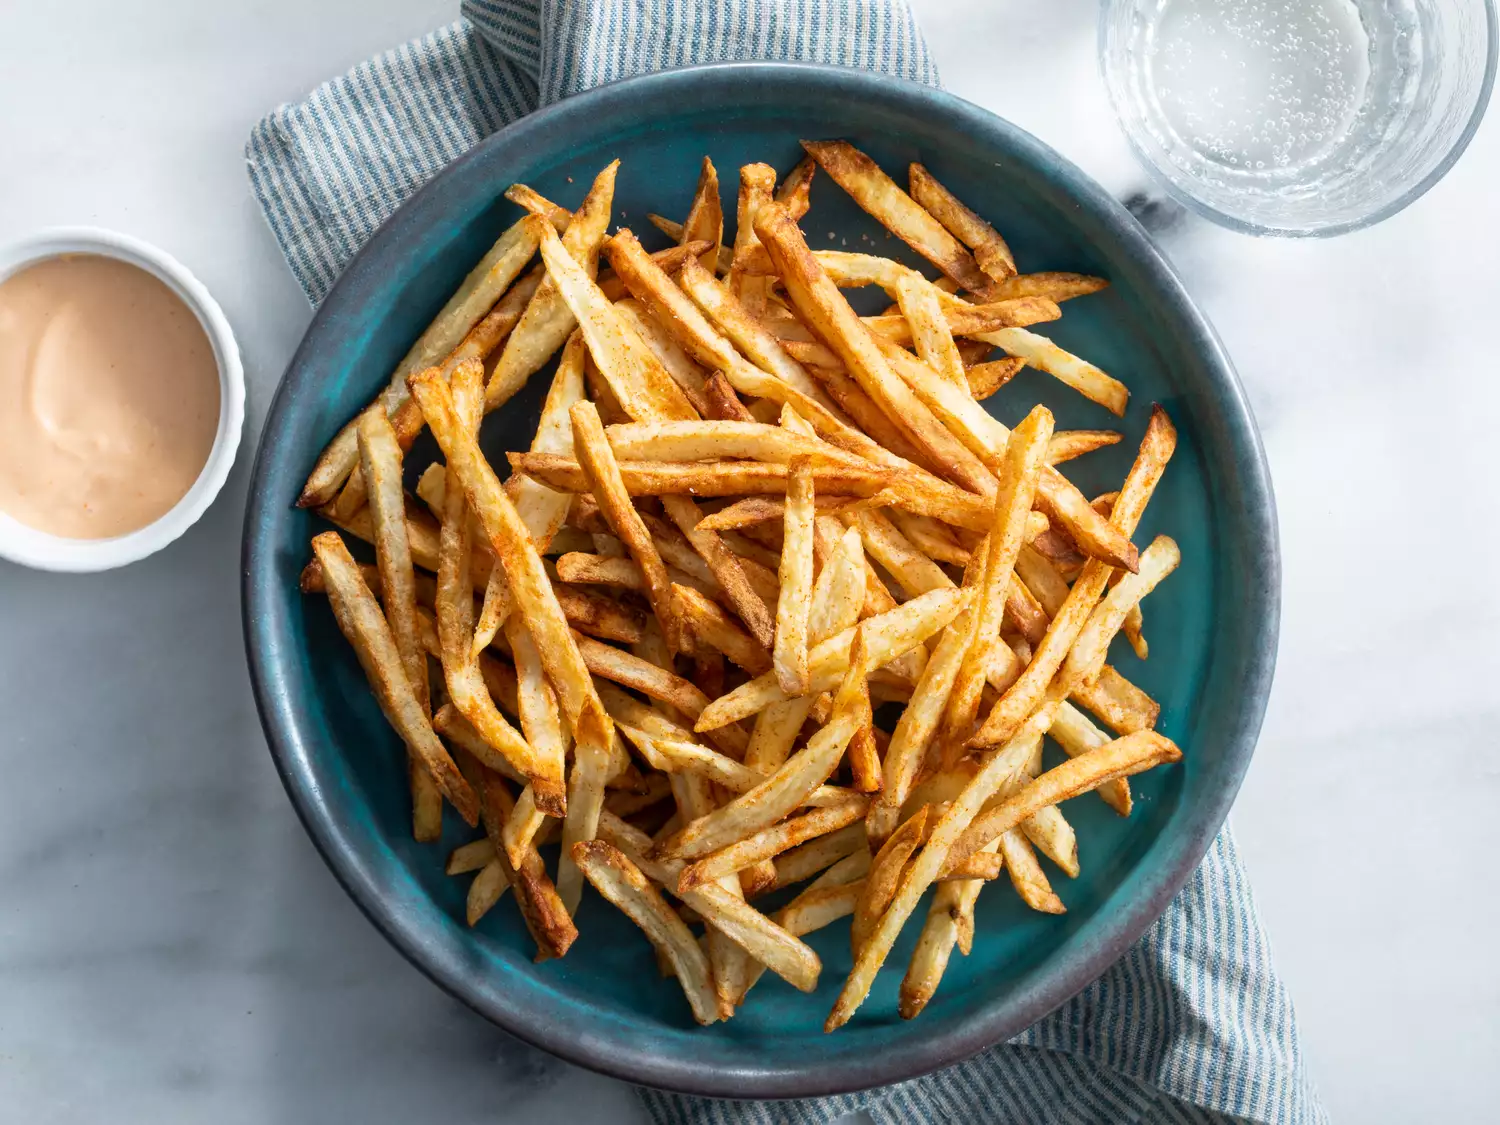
{"points": [[173, 949]]}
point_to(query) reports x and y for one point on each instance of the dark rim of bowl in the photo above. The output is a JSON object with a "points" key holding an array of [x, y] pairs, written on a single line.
{"points": [[1006, 1018]]}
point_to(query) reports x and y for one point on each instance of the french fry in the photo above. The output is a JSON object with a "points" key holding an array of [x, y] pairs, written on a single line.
{"points": [[673, 229], [771, 842], [521, 827], [819, 855], [927, 328], [680, 756], [705, 218], [473, 298], [534, 201], [644, 388], [898, 212], [929, 320], [1086, 658], [1054, 837], [509, 539], [996, 766], [951, 913], [764, 509], [889, 635], [537, 709], [990, 250], [486, 890], [471, 857], [985, 379], [1026, 874], [597, 460], [548, 321], [864, 757], [1041, 353], [622, 883], [691, 478], [1020, 473], [710, 625], [685, 372], [913, 571], [757, 181], [1053, 285], [885, 874], [1123, 757], [1076, 734], [361, 621], [721, 403], [1123, 706], [1069, 444], [1025, 694], [451, 724], [728, 569], [794, 192], [796, 580]]}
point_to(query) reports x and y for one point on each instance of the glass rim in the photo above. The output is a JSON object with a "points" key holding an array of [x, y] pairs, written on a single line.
{"points": [[1329, 230]]}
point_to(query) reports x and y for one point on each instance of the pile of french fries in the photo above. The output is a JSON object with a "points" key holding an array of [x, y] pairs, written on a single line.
{"points": [[749, 516]]}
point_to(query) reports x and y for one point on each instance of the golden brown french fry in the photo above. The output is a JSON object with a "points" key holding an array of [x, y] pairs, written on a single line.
{"points": [[1086, 658], [710, 625], [1052, 835], [721, 402], [607, 570], [864, 757], [913, 571], [929, 331], [1041, 353], [819, 855], [1076, 734], [471, 857], [703, 479], [511, 543], [597, 460], [705, 218], [796, 580], [621, 882], [819, 302], [771, 842], [534, 201], [486, 890], [1020, 471], [795, 191], [451, 724], [536, 703], [548, 321], [948, 918], [1123, 757], [473, 298], [954, 320], [684, 370], [454, 606], [673, 229], [1123, 706], [990, 250], [757, 181], [888, 634], [361, 621], [679, 756], [1054, 286], [884, 877], [644, 388], [996, 766], [986, 378], [728, 569], [1068, 444], [898, 212], [764, 509], [1025, 694]]}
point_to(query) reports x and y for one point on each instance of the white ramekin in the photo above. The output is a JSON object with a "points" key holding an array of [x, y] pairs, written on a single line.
{"points": [[30, 547]]}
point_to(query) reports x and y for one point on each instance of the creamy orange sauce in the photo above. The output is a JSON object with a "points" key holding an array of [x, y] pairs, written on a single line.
{"points": [[109, 397]]}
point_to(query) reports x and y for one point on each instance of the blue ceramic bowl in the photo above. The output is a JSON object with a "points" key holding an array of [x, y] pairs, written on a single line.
{"points": [[1212, 626]]}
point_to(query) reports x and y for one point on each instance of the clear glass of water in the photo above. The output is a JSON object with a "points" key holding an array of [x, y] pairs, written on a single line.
{"points": [[1298, 117]]}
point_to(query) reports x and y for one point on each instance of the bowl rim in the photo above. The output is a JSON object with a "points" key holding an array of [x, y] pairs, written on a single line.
{"points": [[1328, 230], [1004, 1019], [41, 550]]}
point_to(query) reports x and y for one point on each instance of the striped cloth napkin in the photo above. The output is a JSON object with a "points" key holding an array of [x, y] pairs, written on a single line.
{"points": [[1192, 1024]]}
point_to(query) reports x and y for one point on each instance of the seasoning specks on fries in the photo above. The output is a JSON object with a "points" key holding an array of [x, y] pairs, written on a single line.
{"points": [[749, 513]]}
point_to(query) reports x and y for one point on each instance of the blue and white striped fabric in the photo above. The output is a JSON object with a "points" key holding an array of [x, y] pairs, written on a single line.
{"points": [[1192, 1025]]}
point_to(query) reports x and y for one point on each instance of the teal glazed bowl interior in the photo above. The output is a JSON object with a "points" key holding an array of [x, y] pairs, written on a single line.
{"points": [[1212, 625]]}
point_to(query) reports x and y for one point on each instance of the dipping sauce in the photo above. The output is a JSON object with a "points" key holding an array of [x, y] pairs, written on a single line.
{"points": [[109, 397]]}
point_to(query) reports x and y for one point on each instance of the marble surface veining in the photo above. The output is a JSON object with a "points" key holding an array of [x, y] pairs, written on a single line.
{"points": [[172, 948]]}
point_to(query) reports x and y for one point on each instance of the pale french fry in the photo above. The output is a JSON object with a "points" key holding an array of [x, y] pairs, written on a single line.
{"points": [[898, 212], [639, 381], [913, 571], [996, 766], [1041, 353], [473, 298], [511, 543], [622, 883], [796, 580], [1086, 658], [486, 890], [889, 635], [586, 784], [680, 756], [1123, 757], [521, 827], [728, 569], [1025, 694], [1123, 706], [597, 459], [471, 857], [885, 874], [1076, 734], [990, 250], [705, 218], [1020, 472], [361, 621], [691, 478], [1026, 874], [684, 370], [536, 704], [548, 320], [927, 328], [864, 756], [929, 960], [771, 842], [819, 855], [1054, 837]]}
